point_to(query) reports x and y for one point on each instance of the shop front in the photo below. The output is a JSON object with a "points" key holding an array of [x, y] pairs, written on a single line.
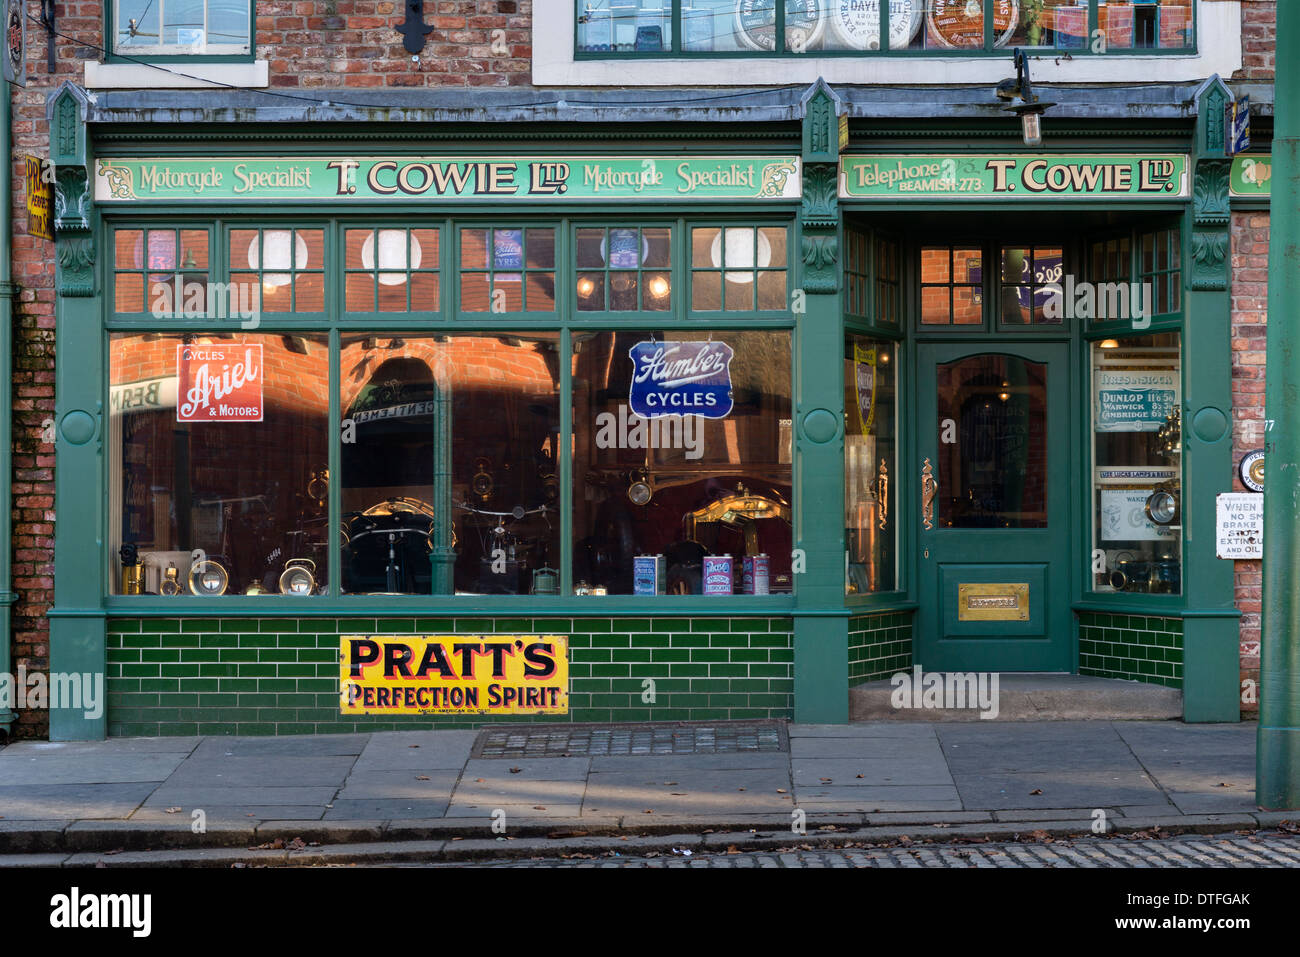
{"points": [[730, 428]]}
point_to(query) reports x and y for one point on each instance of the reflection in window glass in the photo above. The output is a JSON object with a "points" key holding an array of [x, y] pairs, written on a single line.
{"points": [[870, 472], [449, 479], [180, 27], [738, 268], [994, 473], [624, 26], [285, 268], [1137, 472], [391, 270], [682, 452], [1031, 278], [164, 272], [219, 457], [951, 286], [507, 270], [624, 269]]}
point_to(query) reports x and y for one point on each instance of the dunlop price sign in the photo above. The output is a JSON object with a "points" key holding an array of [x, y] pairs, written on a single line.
{"points": [[454, 674]]}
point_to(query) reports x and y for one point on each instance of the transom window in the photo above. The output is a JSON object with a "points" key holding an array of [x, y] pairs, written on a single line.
{"points": [[622, 28], [182, 27]]}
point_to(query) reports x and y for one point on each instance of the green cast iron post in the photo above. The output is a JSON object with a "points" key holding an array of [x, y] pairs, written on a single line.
{"points": [[6, 398], [1278, 748]]}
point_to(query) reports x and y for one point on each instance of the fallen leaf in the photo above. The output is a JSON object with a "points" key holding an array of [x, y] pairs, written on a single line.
{"points": [[1036, 791], [678, 793], [826, 780], [1040, 835], [731, 849], [515, 770], [422, 777], [943, 825], [740, 789], [862, 775], [116, 850], [780, 790], [297, 844], [557, 835], [412, 745], [174, 810], [669, 784], [647, 812], [1223, 784], [478, 780]]}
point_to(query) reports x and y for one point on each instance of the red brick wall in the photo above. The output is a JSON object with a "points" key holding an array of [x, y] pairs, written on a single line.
{"points": [[1249, 316], [1258, 24]]}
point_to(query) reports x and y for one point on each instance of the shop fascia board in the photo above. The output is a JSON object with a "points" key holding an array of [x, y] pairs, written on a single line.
{"points": [[695, 107]]}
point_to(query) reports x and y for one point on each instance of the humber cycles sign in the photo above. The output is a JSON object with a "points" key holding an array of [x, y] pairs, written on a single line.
{"points": [[551, 178], [1013, 176], [681, 378]]}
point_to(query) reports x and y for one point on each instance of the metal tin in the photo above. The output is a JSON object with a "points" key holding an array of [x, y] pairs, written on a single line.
{"points": [[857, 23], [756, 576], [648, 575], [718, 571]]}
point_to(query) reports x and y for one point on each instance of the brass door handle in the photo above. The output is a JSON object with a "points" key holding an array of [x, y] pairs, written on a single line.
{"points": [[929, 489]]}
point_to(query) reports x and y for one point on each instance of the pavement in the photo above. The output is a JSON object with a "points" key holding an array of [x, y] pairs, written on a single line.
{"points": [[394, 794]]}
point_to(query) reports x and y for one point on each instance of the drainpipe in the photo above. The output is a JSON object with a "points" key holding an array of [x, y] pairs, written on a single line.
{"points": [[7, 597], [1278, 746]]}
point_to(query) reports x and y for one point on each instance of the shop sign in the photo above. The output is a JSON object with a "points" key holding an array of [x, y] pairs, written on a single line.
{"points": [[1124, 517], [1251, 176], [146, 395], [1240, 523], [681, 378], [40, 198], [1135, 400], [440, 179], [219, 383], [1073, 176], [453, 674]]}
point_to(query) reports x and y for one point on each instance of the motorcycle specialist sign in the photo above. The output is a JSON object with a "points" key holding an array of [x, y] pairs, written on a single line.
{"points": [[453, 674], [402, 179], [1068, 176]]}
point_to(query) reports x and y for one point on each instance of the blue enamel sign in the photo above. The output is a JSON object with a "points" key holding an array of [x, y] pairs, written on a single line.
{"points": [[681, 378]]}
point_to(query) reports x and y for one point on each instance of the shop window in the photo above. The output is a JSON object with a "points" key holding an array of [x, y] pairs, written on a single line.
{"points": [[279, 270], [391, 270], [857, 274], [1137, 475], [507, 270], [952, 286], [161, 272], [888, 283], [1111, 267], [739, 269], [449, 475], [177, 28], [929, 27], [682, 462], [624, 269], [1160, 266], [1030, 284], [219, 452], [870, 464]]}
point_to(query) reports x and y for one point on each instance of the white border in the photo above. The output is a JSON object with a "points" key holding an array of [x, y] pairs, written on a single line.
{"points": [[1219, 42], [168, 76]]}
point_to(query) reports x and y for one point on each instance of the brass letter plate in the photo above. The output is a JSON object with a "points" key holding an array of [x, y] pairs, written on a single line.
{"points": [[993, 602]]}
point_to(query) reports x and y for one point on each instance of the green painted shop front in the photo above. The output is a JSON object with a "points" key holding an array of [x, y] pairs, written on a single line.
{"points": [[905, 520]]}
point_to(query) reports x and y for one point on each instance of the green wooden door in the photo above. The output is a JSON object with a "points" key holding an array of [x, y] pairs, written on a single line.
{"points": [[993, 471]]}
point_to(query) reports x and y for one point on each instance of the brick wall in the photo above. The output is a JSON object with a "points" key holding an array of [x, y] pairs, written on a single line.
{"points": [[277, 676], [1258, 24], [1249, 318]]}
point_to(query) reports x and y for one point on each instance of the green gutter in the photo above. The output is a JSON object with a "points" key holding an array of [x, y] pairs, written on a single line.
{"points": [[7, 598], [1278, 747]]}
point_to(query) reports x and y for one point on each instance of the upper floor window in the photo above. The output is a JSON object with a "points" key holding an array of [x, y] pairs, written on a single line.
{"points": [[181, 27], [933, 27]]}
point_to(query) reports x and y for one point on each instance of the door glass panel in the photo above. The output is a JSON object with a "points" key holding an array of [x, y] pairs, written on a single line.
{"points": [[992, 447]]}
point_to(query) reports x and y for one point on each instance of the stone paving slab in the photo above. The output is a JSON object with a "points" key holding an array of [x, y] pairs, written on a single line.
{"points": [[869, 771], [880, 798], [87, 767], [228, 814], [1040, 756], [529, 769], [24, 861], [292, 745], [747, 761], [863, 729], [192, 796], [1065, 788], [873, 747], [401, 750], [514, 812], [385, 809], [43, 802], [183, 745], [262, 771], [399, 785], [520, 792], [689, 792]]}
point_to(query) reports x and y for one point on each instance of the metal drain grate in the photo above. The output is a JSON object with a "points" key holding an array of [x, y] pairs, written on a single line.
{"points": [[585, 740]]}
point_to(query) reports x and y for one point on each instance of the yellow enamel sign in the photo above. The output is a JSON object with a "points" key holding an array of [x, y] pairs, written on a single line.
{"points": [[454, 674]]}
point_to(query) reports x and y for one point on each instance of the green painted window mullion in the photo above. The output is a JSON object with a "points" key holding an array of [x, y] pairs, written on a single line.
{"points": [[681, 270], [449, 283], [564, 459], [988, 25], [1094, 18], [334, 566], [675, 24], [778, 34], [884, 26]]}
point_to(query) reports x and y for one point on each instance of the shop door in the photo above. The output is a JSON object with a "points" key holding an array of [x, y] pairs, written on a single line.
{"points": [[993, 476]]}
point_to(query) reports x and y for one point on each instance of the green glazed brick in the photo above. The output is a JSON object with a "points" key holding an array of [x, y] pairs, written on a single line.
{"points": [[140, 641], [724, 670], [670, 624], [687, 670], [118, 656], [256, 670], [122, 626], [160, 654], [277, 684], [320, 685], [682, 640], [159, 684], [591, 655], [201, 625], [141, 671], [670, 654], [609, 671], [433, 626], [200, 655], [239, 654], [615, 640], [297, 671], [745, 654]]}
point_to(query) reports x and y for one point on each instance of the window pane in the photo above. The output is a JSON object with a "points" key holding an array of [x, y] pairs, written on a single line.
{"points": [[481, 411], [936, 306], [624, 26], [682, 490], [1137, 437], [870, 464], [1060, 24], [935, 264], [242, 477], [995, 474], [966, 307]]}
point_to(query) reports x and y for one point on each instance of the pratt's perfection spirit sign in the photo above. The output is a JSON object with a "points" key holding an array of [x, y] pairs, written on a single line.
{"points": [[454, 674], [402, 179], [1005, 176]]}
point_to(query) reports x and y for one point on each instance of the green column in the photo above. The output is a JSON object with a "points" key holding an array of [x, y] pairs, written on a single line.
{"points": [[77, 623], [1278, 747], [821, 660]]}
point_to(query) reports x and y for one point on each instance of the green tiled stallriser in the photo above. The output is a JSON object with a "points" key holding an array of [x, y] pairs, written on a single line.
{"points": [[1135, 647], [879, 646], [280, 676]]}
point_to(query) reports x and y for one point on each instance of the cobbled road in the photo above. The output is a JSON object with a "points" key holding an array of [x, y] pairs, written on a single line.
{"points": [[1267, 849]]}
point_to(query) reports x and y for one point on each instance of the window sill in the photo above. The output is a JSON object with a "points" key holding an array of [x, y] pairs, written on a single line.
{"points": [[176, 76]]}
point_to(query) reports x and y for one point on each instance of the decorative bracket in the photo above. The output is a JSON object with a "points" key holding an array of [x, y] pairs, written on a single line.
{"points": [[413, 29]]}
